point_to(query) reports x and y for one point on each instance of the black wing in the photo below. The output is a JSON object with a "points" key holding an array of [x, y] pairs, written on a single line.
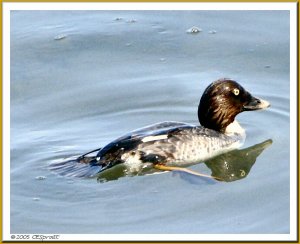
{"points": [[110, 155]]}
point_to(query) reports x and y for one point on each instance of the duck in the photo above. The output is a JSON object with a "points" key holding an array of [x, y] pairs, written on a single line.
{"points": [[172, 145]]}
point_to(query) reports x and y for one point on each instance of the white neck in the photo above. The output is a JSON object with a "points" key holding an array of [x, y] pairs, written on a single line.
{"points": [[234, 128]]}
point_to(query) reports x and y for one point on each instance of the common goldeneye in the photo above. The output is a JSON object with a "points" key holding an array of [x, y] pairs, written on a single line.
{"points": [[169, 145]]}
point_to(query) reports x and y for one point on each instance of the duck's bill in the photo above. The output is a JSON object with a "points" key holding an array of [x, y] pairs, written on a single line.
{"points": [[256, 104]]}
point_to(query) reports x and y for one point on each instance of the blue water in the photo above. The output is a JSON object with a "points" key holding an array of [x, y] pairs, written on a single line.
{"points": [[79, 79]]}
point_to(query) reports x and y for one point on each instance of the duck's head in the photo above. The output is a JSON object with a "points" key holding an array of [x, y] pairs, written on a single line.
{"points": [[222, 100]]}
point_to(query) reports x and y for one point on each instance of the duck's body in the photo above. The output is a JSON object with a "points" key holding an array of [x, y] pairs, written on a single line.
{"points": [[176, 143], [168, 143]]}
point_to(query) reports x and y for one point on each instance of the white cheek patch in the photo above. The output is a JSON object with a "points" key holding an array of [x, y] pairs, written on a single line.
{"points": [[154, 138]]}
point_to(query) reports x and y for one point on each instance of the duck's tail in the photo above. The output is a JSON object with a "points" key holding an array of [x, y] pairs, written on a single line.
{"points": [[83, 166]]}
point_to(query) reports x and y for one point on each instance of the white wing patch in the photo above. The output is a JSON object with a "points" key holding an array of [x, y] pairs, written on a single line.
{"points": [[154, 138]]}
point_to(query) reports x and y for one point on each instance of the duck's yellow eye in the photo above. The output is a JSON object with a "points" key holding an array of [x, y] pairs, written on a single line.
{"points": [[236, 91]]}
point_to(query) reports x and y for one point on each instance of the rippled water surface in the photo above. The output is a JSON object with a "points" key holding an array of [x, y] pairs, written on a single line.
{"points": [[80, 79]]}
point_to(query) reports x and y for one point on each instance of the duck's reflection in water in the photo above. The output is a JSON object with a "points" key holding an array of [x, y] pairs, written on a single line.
{"points": [[228, 167]]}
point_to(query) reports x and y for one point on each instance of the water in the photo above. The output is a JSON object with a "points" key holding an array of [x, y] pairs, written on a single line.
{"points": [[80, 79]]}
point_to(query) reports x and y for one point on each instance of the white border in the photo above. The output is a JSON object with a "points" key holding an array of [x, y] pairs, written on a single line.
{"points": [[6, 124], [293, 121], [292, 7], [149, 6]]}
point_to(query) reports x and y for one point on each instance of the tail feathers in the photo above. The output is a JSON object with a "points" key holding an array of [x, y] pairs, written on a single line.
{"points": [[81, 167]]}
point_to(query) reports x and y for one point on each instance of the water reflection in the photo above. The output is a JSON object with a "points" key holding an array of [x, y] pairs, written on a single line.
{"points": [[231, 166], [236, 164]]}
